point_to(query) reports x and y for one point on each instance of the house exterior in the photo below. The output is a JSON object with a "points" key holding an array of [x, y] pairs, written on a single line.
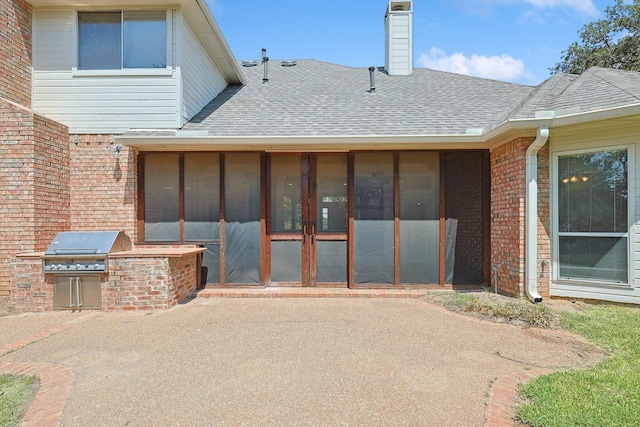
{"points": [[303, 173]]}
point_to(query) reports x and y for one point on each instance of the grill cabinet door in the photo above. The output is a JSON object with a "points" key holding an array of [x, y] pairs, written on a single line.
{"points": [[76, 292]]}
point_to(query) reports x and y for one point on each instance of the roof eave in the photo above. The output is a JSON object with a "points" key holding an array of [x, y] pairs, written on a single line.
{"points": [[333, 143]]}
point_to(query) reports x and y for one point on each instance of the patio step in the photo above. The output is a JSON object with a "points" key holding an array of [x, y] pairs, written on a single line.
{"points": [[273, 292]]}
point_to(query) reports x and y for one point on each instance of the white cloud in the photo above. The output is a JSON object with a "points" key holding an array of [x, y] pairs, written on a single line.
{"points": [[585, 7], [503, 67]]}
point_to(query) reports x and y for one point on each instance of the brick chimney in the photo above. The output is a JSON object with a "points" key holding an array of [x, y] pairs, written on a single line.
{"points": [[398, 26]]}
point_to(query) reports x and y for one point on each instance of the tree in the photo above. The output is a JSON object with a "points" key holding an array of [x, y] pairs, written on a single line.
{"points": [[612, 42]]}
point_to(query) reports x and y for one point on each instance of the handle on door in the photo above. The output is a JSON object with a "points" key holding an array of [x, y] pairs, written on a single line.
{"points": [[313, 233]]}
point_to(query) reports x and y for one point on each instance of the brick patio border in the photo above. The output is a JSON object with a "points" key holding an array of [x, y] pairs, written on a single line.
{"points": [[55, 385]]}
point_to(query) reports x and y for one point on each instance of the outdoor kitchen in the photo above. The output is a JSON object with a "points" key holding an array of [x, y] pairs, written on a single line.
{"points": [[102, 270]]}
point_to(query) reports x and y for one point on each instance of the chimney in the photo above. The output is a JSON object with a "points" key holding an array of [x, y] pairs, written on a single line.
{"points": [[398, 30]]}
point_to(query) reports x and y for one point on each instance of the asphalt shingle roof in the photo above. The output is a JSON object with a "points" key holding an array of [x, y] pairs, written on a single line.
{"points": [[319, 98]]}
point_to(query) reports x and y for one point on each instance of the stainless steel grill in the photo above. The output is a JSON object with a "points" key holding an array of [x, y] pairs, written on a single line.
{"points": [[77, 258], [83, 251]]}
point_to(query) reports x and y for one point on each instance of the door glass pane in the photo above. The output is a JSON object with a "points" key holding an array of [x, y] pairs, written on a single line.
{"points": [[374, 218], [242, 218], [331, 261], [331, 193], [286, 261], [419, 218], [161, 193], [286, 194], [597, 258]]}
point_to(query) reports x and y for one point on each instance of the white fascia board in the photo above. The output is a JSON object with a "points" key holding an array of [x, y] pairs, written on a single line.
{"points": [[195, 141]]}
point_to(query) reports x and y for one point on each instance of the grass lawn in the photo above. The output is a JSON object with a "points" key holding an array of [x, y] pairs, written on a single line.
{"points": [[607, 394], [16, 393]]}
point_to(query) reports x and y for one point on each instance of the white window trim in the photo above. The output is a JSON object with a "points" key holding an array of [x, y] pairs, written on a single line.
{"points": [[167, 71], [555, 241]]}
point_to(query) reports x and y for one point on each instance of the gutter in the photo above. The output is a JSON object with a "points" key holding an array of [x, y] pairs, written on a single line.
{"points": [[531, 215]]}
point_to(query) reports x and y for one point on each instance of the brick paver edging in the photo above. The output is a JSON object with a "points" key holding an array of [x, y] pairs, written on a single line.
{"points": [[55, 385], [502, 397]]}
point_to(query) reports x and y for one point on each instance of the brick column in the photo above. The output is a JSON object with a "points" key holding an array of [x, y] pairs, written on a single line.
{"points": [[508, 191], [34, 183], [508, 198]]}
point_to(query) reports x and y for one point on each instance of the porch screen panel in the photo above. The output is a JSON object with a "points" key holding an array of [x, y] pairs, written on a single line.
{"points": [[202, 207], [242, 218], [593, 216], [419, 218], [374, 218], [161, 198]]}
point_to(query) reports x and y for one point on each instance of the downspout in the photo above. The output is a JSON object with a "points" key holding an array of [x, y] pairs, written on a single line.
{"points": [[531, 215]]}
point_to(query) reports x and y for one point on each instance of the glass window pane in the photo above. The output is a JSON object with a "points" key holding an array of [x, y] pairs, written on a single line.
{"points": [[145, 39], [331, 190], [201, 196], [242, 218], [592, 192], [286, 194], [419, 218], [374, 218], [597, 258], [99, 40], [161, 195]]}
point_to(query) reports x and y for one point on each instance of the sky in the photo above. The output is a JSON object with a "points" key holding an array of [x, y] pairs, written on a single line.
{"points": [[509, 40]]}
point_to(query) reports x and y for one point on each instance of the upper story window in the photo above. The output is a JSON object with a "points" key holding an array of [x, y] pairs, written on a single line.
{"points": [[126, 39]]}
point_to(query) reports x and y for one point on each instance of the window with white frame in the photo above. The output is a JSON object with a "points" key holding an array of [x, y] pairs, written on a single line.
{"points": [[593, 215], [124, 39]]}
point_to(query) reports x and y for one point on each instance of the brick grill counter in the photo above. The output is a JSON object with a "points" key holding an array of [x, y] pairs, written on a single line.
{"points": [[141, 279]]}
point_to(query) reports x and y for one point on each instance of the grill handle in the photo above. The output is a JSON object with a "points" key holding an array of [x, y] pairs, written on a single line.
{"points": [[73, 251]]}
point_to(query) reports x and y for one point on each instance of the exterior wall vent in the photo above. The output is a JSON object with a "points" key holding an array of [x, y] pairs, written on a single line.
{"points": [[398, 26]]}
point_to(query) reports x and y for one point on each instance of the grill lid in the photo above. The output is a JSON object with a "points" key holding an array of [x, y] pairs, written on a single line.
{"points": [[69, 243]]}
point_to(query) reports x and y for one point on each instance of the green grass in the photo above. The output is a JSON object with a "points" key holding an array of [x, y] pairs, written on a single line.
{"points": [[607, 394], [16, 393]]}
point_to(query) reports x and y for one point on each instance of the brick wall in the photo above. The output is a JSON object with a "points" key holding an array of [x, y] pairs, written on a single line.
{"points": [[34, 183], [464, 203], [149, 283], [15, 51], [508, 191], [103, 186], [30, 291]]}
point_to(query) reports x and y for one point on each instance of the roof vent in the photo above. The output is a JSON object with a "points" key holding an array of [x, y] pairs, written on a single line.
{"points": [[249, 63], [288, 63], [372, 80]]}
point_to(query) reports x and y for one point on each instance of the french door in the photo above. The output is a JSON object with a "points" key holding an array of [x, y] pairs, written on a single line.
{"points": [[307, 219]]}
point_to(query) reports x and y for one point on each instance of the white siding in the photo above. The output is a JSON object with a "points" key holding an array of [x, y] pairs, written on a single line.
{"points": [[598, 136], [201, 79], [399, 49], [94, 103]]}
